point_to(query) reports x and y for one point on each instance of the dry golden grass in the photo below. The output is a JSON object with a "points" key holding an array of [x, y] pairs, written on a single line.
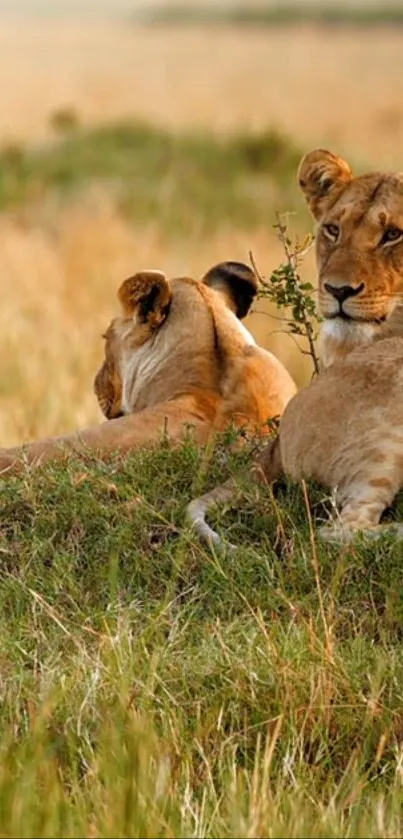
{"points": [[342, 87], [59, 271]]}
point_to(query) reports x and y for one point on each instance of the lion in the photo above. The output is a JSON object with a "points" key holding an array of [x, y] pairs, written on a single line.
{"points": [[344, 430], [177, 356]]}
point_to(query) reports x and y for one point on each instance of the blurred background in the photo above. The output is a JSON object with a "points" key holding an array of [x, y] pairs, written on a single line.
{"points": [[144, 134]]}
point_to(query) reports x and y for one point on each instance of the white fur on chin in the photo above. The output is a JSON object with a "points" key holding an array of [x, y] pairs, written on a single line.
{"points": [[338, 337]]}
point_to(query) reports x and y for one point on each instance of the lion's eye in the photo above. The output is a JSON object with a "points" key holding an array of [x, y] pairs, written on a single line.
{"points": [[331, 231], [391, 235]]}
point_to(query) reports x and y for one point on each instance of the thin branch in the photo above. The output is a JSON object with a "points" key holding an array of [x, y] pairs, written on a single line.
{"points": [[293, 262], [285, 289], [255, 268]]}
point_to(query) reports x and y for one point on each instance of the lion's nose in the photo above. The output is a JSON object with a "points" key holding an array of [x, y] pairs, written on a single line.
{"points": [[341, 293]]}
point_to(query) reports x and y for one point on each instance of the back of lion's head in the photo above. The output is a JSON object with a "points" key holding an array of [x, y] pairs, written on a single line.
{"points": [[146, 300], [359, 249]]}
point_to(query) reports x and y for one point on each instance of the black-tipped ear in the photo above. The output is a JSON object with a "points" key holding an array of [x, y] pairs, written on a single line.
{"points": [[148, 295], [236, 282], [322, 177]]}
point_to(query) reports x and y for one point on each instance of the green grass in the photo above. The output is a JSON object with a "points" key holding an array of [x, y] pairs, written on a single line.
{"points": [[280, 14], [183, 182], [149, 688]]}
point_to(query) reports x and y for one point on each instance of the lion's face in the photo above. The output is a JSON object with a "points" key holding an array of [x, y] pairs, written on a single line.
{"points": [[359, 248], [108, 380]]}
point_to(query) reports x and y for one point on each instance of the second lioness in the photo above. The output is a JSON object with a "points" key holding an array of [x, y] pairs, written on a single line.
{"points": [[176, 356]]}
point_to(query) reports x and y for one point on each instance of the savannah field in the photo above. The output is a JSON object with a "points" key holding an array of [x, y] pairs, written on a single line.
{"points": [[147, 687], [63, 252]]}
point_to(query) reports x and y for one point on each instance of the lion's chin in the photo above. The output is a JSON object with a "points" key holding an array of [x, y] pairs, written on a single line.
{"points": [[338, 336]]}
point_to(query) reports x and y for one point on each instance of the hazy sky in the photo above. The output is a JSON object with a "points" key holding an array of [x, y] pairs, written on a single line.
{"points": [[76, 8]]}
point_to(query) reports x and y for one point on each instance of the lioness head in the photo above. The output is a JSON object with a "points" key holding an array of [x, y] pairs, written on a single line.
{"points": [[144, 299], [165, 335], [359, 250]]}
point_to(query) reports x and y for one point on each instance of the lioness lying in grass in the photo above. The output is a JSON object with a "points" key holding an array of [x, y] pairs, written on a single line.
{"points": [[177, 356], [345, 429]]}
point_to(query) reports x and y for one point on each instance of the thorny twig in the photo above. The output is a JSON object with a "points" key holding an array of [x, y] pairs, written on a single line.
{"points": [[287, 291]]}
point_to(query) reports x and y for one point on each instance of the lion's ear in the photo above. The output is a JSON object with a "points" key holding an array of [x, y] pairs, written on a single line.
{"points": [[146, 295], [322, 177], [236, 282]]}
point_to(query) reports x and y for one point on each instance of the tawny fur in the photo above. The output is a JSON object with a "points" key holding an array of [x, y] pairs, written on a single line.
{"points": [[177, 356], [345, 429]]}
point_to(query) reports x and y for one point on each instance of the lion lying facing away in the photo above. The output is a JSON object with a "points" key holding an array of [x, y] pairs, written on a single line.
{"points": [[178, 355], [345, 429]]}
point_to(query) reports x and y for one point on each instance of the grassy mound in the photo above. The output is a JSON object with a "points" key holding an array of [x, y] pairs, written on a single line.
{"points": [[151, 689]]}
